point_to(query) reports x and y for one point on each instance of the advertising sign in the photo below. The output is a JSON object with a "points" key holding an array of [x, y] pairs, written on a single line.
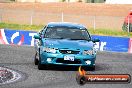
{"points": [[107, 43]]}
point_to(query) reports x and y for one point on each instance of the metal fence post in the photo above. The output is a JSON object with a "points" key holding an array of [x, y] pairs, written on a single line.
{"points": [[94, 23], [62, 17], [128, 25], [0, 15], [31, 18]]}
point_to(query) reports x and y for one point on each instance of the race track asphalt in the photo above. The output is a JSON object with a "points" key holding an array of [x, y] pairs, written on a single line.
{"points": [[20, 58]]}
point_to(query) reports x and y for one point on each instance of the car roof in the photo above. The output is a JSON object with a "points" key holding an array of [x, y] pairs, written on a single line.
{"points": [[66, 24]]}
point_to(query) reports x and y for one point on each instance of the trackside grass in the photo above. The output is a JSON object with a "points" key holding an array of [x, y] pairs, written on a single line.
{"points": [[21, 27], [101, 31], [110, 32]]}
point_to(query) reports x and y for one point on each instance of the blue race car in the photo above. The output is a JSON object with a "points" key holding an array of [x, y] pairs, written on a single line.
{"points": [[64, 43]]}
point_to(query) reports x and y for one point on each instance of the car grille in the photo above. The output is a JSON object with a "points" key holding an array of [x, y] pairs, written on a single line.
{"points": [[69, 52], [61, 60]]}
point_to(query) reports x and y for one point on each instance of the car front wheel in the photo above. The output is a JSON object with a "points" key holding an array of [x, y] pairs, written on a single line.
{"points": [[91, 68], [36, 59], [41, 66]]}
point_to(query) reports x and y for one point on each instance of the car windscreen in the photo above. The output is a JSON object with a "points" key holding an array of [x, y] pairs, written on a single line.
{"points": [[67, 33]]}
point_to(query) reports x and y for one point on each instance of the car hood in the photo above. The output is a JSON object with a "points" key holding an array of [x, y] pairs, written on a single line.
{"points": [[68, 44]]}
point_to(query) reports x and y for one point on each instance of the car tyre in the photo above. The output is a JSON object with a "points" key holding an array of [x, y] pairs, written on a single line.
{"points": [[41, 66], [36, 60], [92, 68]]}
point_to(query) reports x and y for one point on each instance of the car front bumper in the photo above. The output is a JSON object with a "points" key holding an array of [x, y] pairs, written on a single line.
{"points": [[58, 59]]}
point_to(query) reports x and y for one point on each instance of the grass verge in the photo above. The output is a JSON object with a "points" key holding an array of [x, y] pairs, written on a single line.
{"points": [[21, 27], [110, 32], [100, 31]]}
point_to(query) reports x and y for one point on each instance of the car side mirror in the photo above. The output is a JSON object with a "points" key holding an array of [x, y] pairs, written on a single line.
{"points": [[95, 40], [37, 37]]}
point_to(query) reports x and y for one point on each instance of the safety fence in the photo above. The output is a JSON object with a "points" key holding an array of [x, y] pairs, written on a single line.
{"points": [[107, 43], [40, 18]]}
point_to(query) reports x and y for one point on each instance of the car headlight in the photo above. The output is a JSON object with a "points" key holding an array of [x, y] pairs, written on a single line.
{"points": [[49, 50], [88, 52]]}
